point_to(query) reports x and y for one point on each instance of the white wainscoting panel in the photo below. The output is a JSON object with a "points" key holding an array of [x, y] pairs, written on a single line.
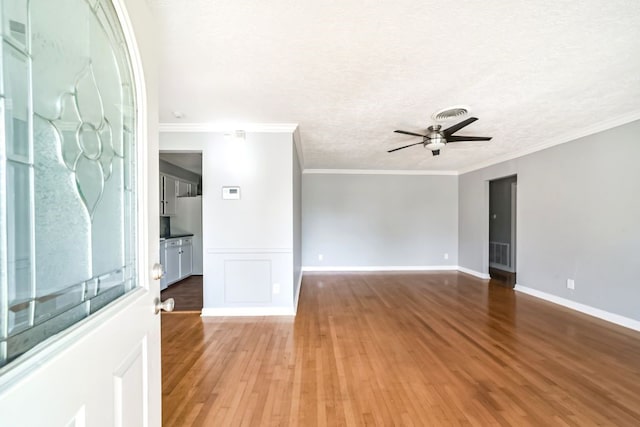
{"points": [[247, 281]]}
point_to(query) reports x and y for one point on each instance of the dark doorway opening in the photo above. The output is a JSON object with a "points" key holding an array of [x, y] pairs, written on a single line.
{"points": [[181, 229], [502, 230]]}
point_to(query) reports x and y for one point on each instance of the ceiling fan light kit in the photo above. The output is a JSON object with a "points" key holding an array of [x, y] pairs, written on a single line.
{"points": [[436, 139]]}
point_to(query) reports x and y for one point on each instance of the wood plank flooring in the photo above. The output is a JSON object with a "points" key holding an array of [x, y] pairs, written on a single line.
{"points": [[187, 294], [421, 349]]}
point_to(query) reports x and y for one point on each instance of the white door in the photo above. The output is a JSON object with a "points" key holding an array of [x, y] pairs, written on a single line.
{"points": [[79, 336]]}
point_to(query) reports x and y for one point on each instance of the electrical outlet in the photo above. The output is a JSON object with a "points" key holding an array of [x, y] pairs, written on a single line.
{"points": [[320, 257], [571, 284], [276, 288], [446, 256]]}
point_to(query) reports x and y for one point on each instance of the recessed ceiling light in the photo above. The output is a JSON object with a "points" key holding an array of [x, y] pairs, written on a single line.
{"points": [[450, 113]]}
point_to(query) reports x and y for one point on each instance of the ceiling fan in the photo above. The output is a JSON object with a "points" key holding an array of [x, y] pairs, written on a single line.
{"points": [[436, 138]]}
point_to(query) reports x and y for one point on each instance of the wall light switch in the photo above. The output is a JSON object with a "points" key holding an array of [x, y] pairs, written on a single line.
{"points": [[446, 256], [320, 257], [571, 284]]}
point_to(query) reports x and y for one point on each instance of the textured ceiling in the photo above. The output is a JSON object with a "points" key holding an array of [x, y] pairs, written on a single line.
{"points": [[350, 72]]}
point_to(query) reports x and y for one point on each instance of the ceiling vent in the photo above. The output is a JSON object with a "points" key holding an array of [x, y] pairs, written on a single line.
{"points": [[450, 113]]}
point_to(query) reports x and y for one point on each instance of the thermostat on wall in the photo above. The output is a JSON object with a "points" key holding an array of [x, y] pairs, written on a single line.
{"points": [[231, 193]]}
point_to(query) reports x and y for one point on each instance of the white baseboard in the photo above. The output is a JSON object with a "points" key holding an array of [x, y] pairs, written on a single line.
{"points": [[381, 268], [248, 311], [586, 309], [295, 303], [477, 274]]}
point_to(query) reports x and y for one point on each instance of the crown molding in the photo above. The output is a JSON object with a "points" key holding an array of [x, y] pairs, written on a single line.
{"points": [[227, 127], [562, 139], [293, 129], [375, 172]]}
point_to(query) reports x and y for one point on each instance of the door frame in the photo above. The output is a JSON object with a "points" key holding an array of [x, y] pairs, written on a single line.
{"points": [[486, 218], [175, 149]]}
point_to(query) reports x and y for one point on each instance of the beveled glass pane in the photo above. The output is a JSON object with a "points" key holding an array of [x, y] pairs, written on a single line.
{"points": [[60, 45], [70, 200], [19, 317], [106, 296], [19, 343], [16, 93], [88, 98], [14, 22], [62, 223], [19, 221], [108, 230], [53, 304]]}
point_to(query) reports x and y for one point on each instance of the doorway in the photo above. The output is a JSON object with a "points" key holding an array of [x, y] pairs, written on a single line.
{"points": [[181, 236], [502, 230]]}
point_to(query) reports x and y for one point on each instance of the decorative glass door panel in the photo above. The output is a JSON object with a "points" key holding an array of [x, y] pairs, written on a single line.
{"points": [[67, 168]]}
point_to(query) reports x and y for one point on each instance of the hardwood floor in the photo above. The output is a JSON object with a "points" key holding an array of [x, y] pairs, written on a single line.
{"points": [[187, 294], [422, 349], [503, 277]]}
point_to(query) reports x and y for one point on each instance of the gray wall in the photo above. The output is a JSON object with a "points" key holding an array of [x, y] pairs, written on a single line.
{"points": [[578, 217], [379, 220], [297, 224]]}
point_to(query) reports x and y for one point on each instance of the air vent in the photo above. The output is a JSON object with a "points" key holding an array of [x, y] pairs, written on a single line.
{"points": [[450, 113]]}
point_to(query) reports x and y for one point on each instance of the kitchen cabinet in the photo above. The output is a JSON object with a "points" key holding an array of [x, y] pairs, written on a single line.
{"points": [[168, 195], [170, 189], [163, 263], [177, 257], [172, 260], [186, 257], [185, 189]]}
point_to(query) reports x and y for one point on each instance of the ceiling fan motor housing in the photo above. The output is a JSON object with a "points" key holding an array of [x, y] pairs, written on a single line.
{"points": [[435, 139]]}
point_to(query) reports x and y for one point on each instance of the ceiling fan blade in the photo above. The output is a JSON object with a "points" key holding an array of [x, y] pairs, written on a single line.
{"points": [[455, 128], [408, 133], [435, 152], [400, 148], [456, 138]]}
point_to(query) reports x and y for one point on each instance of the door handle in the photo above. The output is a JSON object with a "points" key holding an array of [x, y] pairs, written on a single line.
{"points": [[157, 271], [166, 305]]}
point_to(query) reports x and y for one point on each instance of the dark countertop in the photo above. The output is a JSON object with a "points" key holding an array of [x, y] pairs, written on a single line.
{"points": [[176, 236]]}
